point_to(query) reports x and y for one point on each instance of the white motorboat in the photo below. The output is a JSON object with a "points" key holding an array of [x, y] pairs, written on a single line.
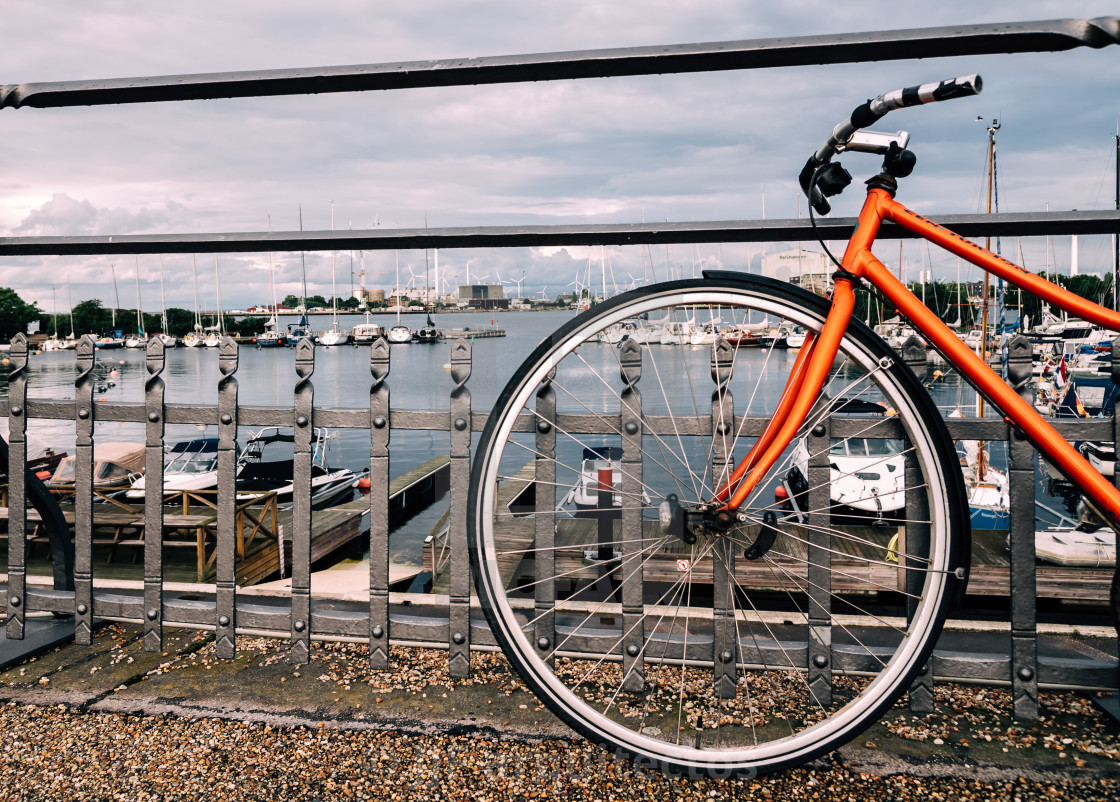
{"points": [[584, 495], [866, 474], [267, 464], [676, 333], [189, 465], [796, 338], [365, 332]]}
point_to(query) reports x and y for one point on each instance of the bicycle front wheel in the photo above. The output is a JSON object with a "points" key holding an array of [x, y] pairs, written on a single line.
{"points": [[687, 642]]}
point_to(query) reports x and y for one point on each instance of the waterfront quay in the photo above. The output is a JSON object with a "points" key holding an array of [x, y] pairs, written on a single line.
{"points": [[112, 721]]}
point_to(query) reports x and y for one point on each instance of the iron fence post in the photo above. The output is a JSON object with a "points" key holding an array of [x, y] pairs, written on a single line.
{"points": [[304, 425], [459, 657], [1020, 477], [380, 430], [544, 522], [16, 605], [154, 363], [633, 535], [225, 632], [83, 491]]}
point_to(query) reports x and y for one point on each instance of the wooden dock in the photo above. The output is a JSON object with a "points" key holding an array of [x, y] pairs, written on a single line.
{"points": [[191, 525], [334, 528], [865, 570], [472, 334]]}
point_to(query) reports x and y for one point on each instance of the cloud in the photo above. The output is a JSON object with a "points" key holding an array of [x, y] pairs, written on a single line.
{"points": [[677, 147], [63, 215]]}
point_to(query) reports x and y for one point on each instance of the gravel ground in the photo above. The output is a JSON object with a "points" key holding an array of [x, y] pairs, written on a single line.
{"points": [[971, 749]]}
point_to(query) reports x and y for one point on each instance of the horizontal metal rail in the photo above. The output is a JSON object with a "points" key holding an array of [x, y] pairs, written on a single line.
{"points": [[956, 40], [1024, 224]]}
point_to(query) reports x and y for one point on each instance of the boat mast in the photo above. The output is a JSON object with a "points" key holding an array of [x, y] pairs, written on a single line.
{"points": [[139, 314], [116, 296], [303, 280], [272, 282], [987, 283], [162, 299], [218, 296], [334, 289], [70, 301], [197, 310]]}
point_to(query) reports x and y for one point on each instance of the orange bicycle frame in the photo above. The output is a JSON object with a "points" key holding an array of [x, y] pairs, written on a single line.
{"points": [[808, 376]]}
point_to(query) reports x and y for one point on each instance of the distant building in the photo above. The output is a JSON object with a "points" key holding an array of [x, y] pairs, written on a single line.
{"points": [[810, 270], [482, 296], [369, 297]]}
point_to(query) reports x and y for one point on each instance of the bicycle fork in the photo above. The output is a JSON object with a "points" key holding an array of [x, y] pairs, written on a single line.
{"points": [[802, 389]]}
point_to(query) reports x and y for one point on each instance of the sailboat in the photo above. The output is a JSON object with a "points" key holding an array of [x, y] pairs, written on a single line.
{"points": [[53, 343], [365, 332], [989, 500], [213, 336], [298, 331], [114, 338], [271, 337], [334, 336], [194, 338], [140, 338], [428, 333], [167, 340], [399, 333]]}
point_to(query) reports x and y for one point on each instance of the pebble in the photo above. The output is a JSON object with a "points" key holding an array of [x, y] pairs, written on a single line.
{"points": [[68, 752]]}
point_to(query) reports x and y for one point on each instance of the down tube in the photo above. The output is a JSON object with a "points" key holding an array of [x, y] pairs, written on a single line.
{"points": [[1041, 435]]}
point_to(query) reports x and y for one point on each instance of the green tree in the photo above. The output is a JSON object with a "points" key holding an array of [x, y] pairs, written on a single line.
{"points": [[15, 313], [290, 301], [179, 321], [249, 326], [90, 317]]}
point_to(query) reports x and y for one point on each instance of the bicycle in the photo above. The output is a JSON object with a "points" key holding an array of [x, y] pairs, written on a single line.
{"points": [[712, 615]]}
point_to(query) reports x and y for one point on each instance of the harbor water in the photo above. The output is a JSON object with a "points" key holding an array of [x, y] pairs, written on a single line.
{"points": [[419, 379]]}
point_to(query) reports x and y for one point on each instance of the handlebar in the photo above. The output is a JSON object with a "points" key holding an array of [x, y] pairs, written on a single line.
{"points": [[871, 112]]}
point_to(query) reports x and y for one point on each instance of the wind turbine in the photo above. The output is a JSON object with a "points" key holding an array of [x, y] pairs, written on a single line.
{"points": [[518, 281]]}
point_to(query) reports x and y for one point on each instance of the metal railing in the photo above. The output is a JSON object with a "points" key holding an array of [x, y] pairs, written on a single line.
{"points": [[447, 621], [442, 620]]}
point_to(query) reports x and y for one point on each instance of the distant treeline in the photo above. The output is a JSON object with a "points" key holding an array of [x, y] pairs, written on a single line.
{"points": [[942, 298]]}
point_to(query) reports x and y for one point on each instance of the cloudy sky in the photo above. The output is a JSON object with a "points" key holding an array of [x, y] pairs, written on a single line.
{"points": [[686, 147]]}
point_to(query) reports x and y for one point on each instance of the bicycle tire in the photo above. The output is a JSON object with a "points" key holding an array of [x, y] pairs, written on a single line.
{"points": [[688, 672]]}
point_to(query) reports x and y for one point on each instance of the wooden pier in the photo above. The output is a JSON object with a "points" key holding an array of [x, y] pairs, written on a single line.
{"points": [[471, 334], [190, 524], [867, 568]]}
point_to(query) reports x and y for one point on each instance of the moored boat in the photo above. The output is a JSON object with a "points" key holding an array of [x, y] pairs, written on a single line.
{"points": [[189, 465], [267, 465]]}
